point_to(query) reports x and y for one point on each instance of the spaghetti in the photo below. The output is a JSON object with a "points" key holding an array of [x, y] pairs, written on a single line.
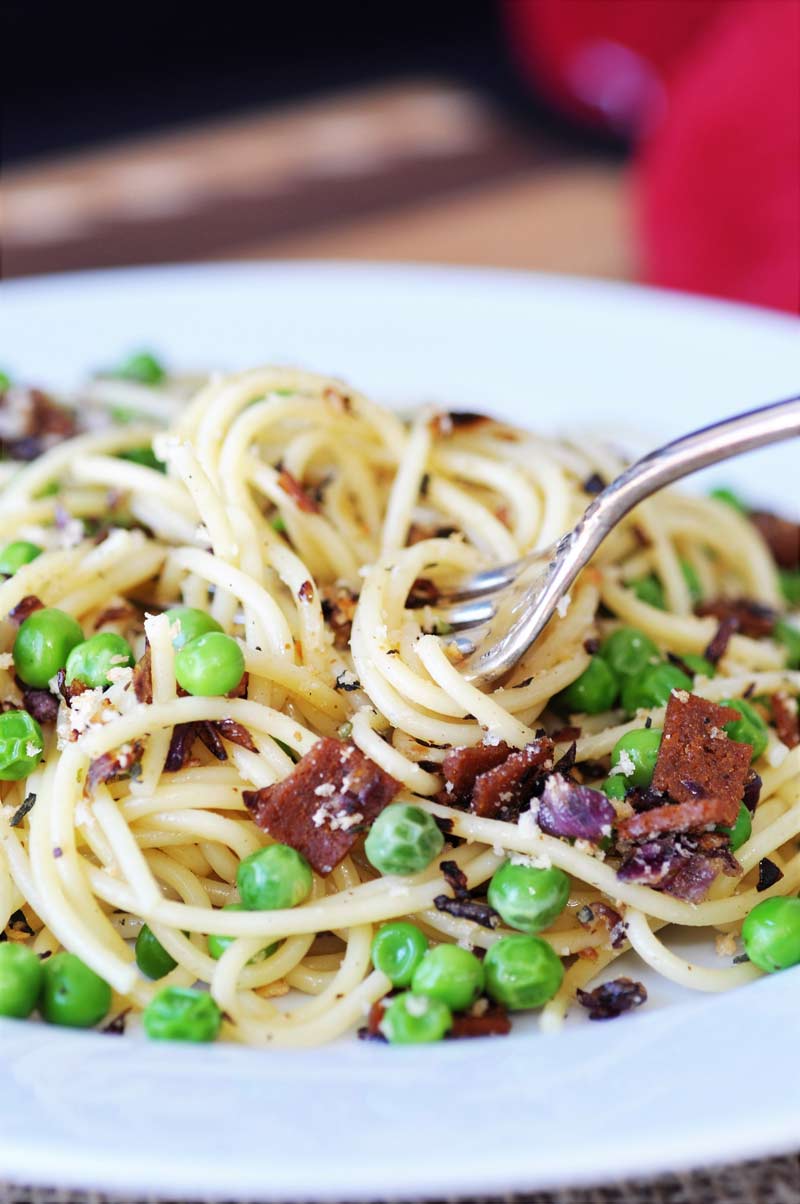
{"points": [[316, 528]]}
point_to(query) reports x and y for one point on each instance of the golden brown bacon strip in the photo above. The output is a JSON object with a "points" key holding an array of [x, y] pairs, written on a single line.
{"points": [[290, 484], [781, 536], [333, 795], [677, 817], [237, 733], [462, 766], [501, 792], [31, 422], [786, 717], [697, 762]]}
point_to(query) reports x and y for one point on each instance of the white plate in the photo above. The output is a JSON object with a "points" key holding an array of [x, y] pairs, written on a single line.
{"points": [[686, 1081]]}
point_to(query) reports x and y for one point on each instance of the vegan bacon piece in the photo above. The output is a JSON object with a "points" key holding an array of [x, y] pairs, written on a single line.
{"points": [[500, 793], [781, 536], [143, 677], [786, 717], [237, 733], [677, 817], [752, 618], [493, 1021], [338, 610], [333, 794], [718, 646], [462, 766], [113, 765], [31, 422], [290, 484], [698, 764]]}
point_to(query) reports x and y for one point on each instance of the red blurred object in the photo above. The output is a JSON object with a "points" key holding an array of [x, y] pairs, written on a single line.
{"points": [[710, 92]]}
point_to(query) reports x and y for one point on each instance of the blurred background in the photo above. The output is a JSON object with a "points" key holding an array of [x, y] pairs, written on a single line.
{"points": [[631, 139]]}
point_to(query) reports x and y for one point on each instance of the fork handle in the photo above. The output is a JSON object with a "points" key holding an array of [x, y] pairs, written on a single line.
{"points": [[709, 445]]}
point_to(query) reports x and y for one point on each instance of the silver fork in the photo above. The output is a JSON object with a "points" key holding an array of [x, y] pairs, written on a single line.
{"points": [[497, 614]]}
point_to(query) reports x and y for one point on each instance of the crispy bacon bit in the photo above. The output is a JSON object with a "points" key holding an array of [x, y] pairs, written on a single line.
{"points": [[677, 817], [697, 761], [752, 618], [566, 735], [681, 864], [768, 874], [468, 909], [567, 809], [612, 998], [114, 765], [338, 609], [417, 532], [25, 607], [500, 793], [31, 422], [462, 766], [333, 794], [40, 703], [465, 418], [423, 592], [340, 401], [143, 677], [306, 592], [372, 1029], [237, 733], [73, 690], [719, 645], [240, 690], [786, 718], [781, 536], [180, 747], [302, 499], [492, 1021]]}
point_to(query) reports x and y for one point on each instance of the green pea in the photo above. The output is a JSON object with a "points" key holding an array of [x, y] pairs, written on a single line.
{"points": [[21, 745], [650, 590], [653, 687], [641, 747], [151, 956], [615, 787], [5, 381], [142, 367], [415, 1019], [594, 691], [527, 897], [182, 1014], [741, 830], [698, 665], [92, 661], [209, 665], [191, 624], [692, 580], [72, 994], [273, 878], [43, 643], [450, 974], [628, 651], [218, 944], [397, 950], [15, 555], [771, 934], [144, 456], [788, 634], [403, 840], [790, 585], [750, 729], [522, 972], [729, 498], [21, 974], [278, 524]]}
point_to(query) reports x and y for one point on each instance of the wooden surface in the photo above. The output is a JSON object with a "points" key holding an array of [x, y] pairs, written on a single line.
{"points": [[420, 170]]}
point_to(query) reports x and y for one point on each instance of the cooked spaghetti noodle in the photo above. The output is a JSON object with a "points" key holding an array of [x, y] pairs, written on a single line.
{"points": [[298, 513]]}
